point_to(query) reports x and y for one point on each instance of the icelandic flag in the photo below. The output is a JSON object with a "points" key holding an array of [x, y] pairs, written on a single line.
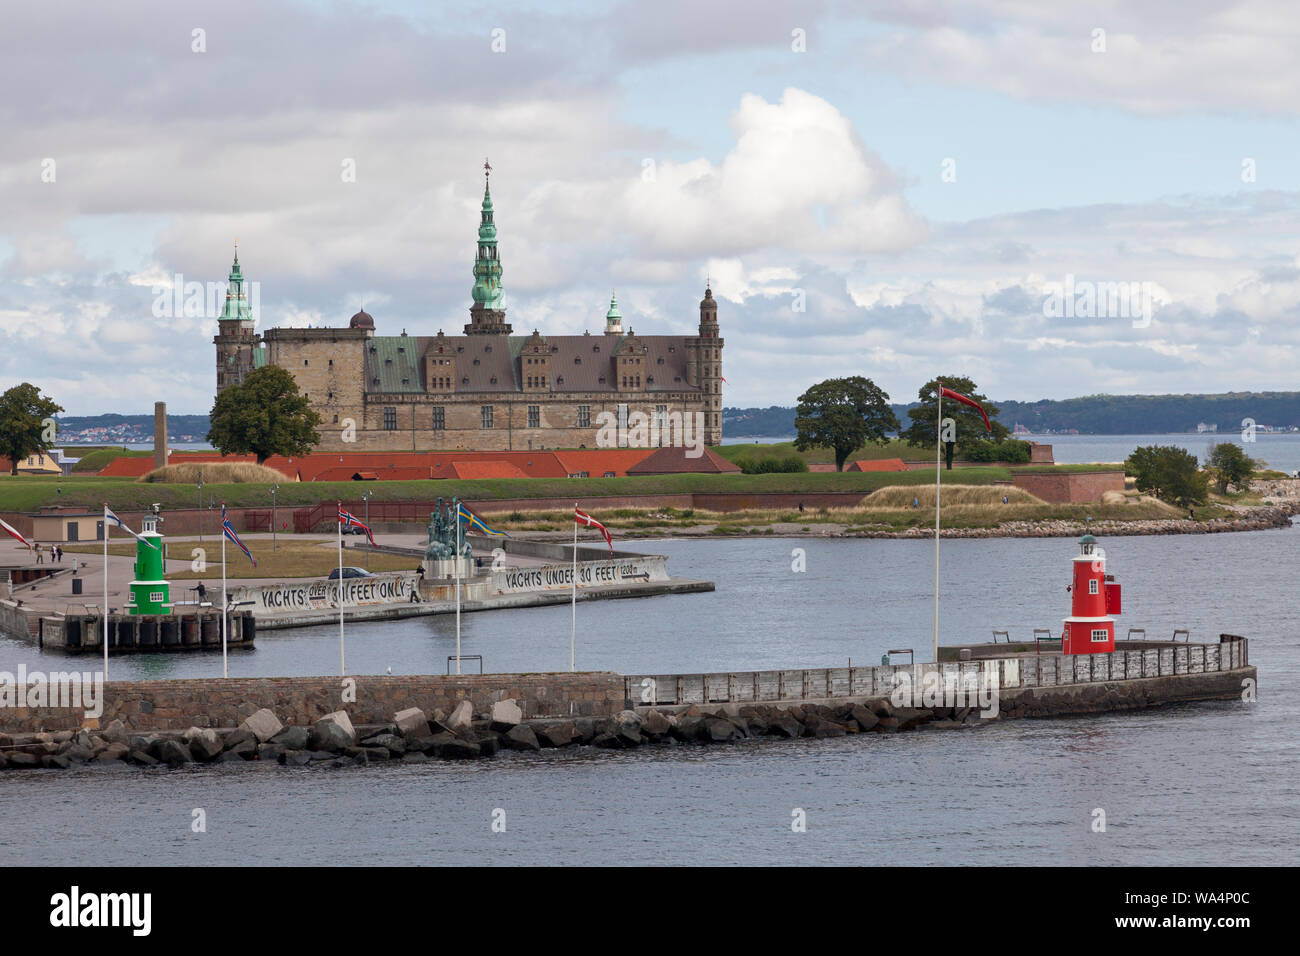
{"points": [[110, 518], [229, 531], [348, 521], [13, 532], [582, 518], [476, 523]]}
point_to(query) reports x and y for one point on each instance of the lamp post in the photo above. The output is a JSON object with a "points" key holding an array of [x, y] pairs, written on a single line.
{"points": [[366, 498], [200, 507], [274, 489]]}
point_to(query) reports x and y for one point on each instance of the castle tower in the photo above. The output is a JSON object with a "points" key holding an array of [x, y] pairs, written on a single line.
{"points": [[613, 318], [487, 316], [1089, 629], [235, 339], [705, 367]]}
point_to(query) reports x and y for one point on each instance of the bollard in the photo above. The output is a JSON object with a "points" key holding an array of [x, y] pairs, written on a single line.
{"points": [[147, 632], [189, 626], [169, 631]]}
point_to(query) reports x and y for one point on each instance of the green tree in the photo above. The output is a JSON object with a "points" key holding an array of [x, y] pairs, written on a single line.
{"points": [[1171, 474], [970, 432], [1232, 466], [24, 423], [264, 416], [843, 414]]}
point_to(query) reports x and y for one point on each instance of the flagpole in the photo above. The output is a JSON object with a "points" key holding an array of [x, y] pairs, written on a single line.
{"points": [[343, 666], [105, 590], [457, 559], [573, 628], [225, 601], [938, 444]]}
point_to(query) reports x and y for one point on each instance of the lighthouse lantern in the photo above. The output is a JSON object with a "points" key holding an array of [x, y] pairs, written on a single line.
{"points": [[1089, 629]]}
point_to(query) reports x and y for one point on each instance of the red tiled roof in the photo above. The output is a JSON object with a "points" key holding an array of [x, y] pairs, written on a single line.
{"points": [[596, 463], [882, 464], [485, 469], [675, 461]]}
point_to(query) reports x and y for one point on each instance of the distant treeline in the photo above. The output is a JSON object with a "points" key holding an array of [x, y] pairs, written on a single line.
{"points": [[1091, 415]]}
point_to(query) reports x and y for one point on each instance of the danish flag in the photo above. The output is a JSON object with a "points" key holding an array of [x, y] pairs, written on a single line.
{"points": [[582, 518]]}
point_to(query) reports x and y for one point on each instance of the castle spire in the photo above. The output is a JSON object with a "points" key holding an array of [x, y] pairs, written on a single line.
{"points": [[614, 318], [236, 308], [488, 313]]}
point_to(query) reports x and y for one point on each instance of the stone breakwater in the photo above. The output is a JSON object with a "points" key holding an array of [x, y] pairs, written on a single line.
{"points": [[412, 736]]}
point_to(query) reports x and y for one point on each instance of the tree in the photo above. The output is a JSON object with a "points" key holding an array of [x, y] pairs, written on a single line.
{"points": [[1232, 466], [1171, 474], [970, 430], [264, 416], [843, 414], [25, 417]]}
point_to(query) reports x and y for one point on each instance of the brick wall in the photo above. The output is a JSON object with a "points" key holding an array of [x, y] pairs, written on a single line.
{"points": [[1070, 487], [178, 704]]}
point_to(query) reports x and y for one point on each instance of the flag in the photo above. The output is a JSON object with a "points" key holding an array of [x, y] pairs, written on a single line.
{"points": [[229, 531], [582, 518], [966, 400], [348, 521], [13, 532], [110, 518], [477, 524]]}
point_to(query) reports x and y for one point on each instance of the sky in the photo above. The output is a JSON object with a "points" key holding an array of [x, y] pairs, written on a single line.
{"points": [[1052, 199]]}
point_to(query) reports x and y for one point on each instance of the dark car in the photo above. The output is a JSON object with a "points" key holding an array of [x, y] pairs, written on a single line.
{"points": [[349, 573]]}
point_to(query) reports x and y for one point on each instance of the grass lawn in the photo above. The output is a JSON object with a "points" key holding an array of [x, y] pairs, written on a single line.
{"points": [[292, 559]]}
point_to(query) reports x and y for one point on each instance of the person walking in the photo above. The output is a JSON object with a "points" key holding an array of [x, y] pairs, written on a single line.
{"points": [[39, 558]]}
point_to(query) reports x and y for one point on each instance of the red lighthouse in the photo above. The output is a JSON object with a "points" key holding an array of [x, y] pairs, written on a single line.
{"points": [[1089, 629]]}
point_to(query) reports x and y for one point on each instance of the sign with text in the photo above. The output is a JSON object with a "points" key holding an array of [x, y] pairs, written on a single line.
{"points": [[323, 594], [590, 574]]}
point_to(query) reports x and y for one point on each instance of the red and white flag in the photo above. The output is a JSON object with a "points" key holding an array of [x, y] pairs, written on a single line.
{"points": [[582, 518], [966, 400], [347, 520], [13, 532]]}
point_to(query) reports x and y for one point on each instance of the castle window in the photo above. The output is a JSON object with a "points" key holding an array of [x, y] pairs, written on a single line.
{"points": [[661, 360], [304, 361], [485, 413], [476, 361], [388, 361], [487, 348], [331, 363], [439, 418], [460, 348], [406, 381], [329, 396], [559, 381], [534, 416], [595, 348], [336, 419], [584, 416], [493, 380], [672, 348], [577, 360], [463, 381], [390, 418], [373, 350], [374, 381], [602, 380]]}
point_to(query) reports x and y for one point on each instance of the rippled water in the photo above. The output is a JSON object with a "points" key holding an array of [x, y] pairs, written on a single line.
{"points": [[1207, 783]]}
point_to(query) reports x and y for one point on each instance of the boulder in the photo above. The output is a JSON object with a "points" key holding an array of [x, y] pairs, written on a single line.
{"points": [[460, 717], [204, 743], [521, 737], [174, 752], [264, 724], [113, 752], [270, 752], [376, 754], [55, 762], [506, 714], [456, 749], [391, 743], [783, 724], [295, 758], [626, 725], [77, 753], [881, 707], [888, 725], [333, 732], [488, 745], [142, 757], [608, 741], [718, 730], [415, 756], [864, 718], [687, 727], [23, 761], [412, 722], [587, 729], [146, 743], [244, 748], [558, 734], [655, 725], [292, 738]]}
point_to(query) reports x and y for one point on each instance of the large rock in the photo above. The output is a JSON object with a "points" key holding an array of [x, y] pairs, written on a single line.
{"points": [[23, 761], [655, 725], [506, 714], [456, 749], [718, 730], [783, 724], [558, 734], [521, 737], [412, 722], [204, 743], [174, 752], [333, 732], [264, 725], [864, 718], [391, 743], [292, 738], [116, 732], [112, 753], [460, 718]]}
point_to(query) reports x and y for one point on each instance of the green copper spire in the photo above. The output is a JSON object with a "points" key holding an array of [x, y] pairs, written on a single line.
{"points": [[237, 308], [613, 318], [487, 267]]}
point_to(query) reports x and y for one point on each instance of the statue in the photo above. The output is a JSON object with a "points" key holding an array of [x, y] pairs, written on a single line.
{"points": [[442, 533]]}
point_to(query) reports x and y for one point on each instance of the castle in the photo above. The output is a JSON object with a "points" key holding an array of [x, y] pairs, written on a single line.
{"points": [[487, 389]]}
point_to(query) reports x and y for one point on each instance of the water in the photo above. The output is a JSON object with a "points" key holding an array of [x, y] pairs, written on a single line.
{"points": [[1280, 451], [1212, 783]]}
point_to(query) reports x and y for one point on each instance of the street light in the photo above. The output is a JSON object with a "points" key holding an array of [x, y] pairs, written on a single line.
{"points": [[274, 489], [200, 507]]}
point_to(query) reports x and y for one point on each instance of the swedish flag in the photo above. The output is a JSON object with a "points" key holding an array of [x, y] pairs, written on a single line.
{"points": [[473, 522]]}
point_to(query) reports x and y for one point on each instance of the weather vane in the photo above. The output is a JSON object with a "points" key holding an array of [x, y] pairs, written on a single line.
{"points": [[487, 167]]}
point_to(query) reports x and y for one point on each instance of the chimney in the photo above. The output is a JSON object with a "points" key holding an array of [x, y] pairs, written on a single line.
{"points": [[160, 434]]}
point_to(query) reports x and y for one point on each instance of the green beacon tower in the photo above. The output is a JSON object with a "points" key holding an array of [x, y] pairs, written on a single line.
{"points": [[150, 594]]}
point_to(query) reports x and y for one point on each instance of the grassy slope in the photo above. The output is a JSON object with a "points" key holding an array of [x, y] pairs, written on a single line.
{"points": [[291, 559], [29, 493]]}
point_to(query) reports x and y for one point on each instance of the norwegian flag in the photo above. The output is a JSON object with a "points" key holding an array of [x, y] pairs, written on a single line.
{"points": [[581, 517], [348, 521], [966, 400]]}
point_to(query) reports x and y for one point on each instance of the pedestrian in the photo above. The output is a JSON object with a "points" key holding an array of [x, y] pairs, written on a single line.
{"points": [[39, 559], [801, 507], [59, 550], [202, 592], [915, 503], [1191, 513], [1004, 499]]}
